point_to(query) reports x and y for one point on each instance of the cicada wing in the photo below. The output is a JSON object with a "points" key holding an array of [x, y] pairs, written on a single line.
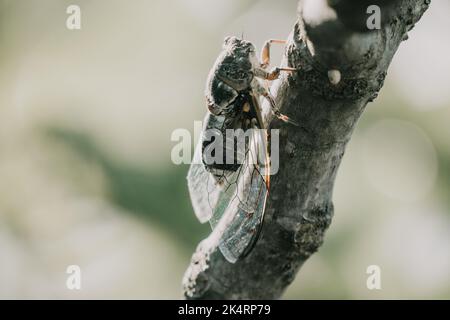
{"points": [[241, 219], [208, 197], [204, 194], [241, 235], [235, 206]]}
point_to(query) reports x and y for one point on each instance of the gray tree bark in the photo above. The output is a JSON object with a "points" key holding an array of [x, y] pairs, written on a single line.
{"points": [[299, 207]]}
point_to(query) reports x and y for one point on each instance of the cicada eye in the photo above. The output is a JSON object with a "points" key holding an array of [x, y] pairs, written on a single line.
{"points": [[244, 63]]}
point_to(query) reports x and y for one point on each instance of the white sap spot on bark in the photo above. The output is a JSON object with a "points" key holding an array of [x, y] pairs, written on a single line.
{"points": [[334, 76]]}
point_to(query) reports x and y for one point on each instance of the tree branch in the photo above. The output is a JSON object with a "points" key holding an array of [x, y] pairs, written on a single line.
{"points": [[300, 208]]}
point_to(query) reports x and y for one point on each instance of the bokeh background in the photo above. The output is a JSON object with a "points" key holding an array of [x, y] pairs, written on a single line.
{"points": [[85, 173]]}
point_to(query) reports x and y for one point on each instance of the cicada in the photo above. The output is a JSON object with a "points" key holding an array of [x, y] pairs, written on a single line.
{"points": [[229, 177]]}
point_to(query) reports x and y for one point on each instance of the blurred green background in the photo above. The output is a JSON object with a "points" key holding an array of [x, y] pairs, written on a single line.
{"points": [[85, 170]]}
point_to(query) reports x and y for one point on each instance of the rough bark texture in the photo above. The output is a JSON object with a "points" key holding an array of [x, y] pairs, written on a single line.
{"points": [[300, 207]]}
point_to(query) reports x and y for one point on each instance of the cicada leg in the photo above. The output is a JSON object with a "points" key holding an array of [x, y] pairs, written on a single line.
{"points": [[265, 52], [261, 90], [265, 62], [277, 112], [275, 73]]}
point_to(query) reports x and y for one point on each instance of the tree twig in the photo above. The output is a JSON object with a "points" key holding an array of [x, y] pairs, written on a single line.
{"points": [[342, 67]]}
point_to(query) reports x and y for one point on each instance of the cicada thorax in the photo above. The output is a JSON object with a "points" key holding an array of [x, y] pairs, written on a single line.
{"points": [[231, 74]]}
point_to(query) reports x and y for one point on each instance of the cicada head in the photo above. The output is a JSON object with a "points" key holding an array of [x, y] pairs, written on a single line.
{"points": [[233, 43], [236, 63], [231, 75], [242, 51]]}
